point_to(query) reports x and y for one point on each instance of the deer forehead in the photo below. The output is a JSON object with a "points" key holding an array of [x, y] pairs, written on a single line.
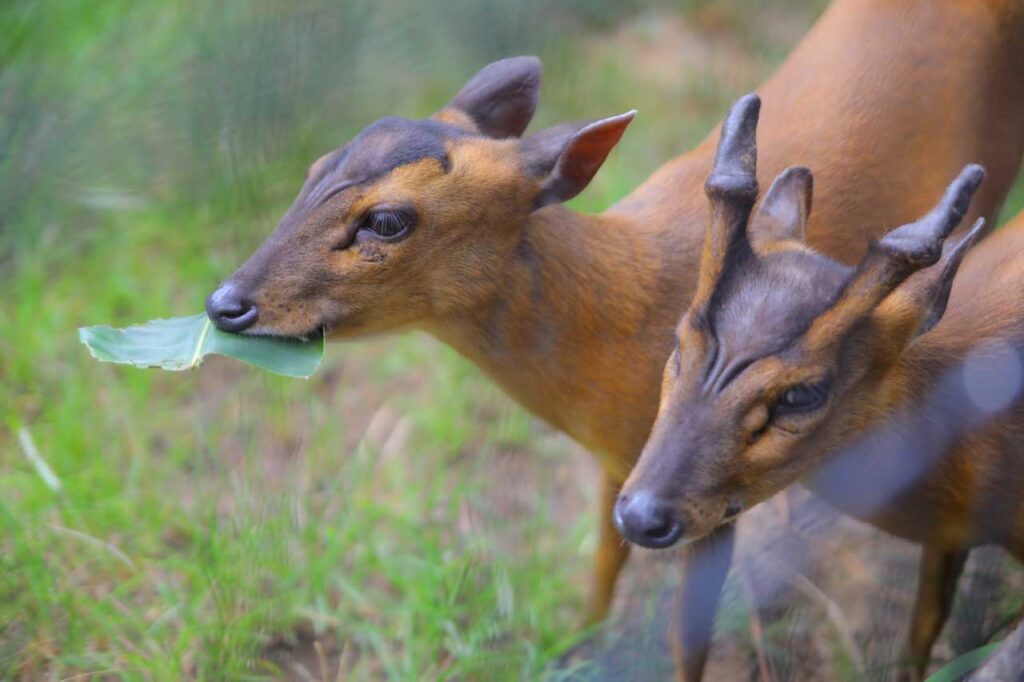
{"points": [[494, 163], [378, 150], [766, 307]]}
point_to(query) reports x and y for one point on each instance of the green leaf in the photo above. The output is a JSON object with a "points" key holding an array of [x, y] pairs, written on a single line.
{"points": [[182, 343], [961, 665]]}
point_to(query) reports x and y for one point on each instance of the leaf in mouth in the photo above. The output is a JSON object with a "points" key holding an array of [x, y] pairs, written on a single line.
{"points": [[182, 342]]}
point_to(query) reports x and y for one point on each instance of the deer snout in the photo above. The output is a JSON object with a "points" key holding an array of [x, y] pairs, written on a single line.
{"points": [[229, 310], [646, 520]]}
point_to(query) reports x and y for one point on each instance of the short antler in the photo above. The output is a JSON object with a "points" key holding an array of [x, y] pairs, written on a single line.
{"points": [[734, 178], [919, 244], [732, 191], [904, 251]]}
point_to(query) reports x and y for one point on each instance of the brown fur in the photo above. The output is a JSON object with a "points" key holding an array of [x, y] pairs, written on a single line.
{"points": [[973, 495], [573, 314], [899, 441]]}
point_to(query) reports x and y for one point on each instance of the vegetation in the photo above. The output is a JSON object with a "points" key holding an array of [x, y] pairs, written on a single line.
{"points": [[396, 509]]}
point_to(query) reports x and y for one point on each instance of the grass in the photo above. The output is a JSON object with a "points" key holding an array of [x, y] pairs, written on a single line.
{"points": [[396, 509], [197, 515]]}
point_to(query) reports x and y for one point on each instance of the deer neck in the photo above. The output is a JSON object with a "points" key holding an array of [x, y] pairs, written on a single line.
{"points": [[912, 441], [581, 323]]}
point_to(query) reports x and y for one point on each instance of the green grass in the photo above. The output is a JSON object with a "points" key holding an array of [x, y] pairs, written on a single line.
{"points": [[396, 507], [199, 515]]}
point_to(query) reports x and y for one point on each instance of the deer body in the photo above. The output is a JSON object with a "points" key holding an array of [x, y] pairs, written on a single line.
{"points": [[451, 225]]}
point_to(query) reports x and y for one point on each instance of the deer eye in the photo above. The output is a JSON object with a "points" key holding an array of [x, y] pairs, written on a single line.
{"points": [[801, 398], [388, 224]]}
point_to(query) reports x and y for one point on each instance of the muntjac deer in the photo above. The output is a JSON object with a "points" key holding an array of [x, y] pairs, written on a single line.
{"points": [[790, 366], [454, 225]]}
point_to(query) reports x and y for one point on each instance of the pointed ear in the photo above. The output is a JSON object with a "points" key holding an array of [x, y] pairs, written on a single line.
{"points": [[936, 293], [501, 98], [568, 156], [784, 211], [915, 307]]}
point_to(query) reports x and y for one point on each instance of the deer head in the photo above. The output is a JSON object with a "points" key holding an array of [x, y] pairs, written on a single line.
{"points": [[414, 219], [783, 352]]}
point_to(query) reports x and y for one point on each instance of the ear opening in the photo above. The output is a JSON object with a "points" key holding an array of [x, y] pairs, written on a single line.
{"points": [[568, 156], [501, 98], [785, 209]]}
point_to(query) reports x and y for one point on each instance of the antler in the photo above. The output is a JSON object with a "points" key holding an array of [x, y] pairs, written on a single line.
{"points": [[919, 244], [904, 251], [732, 191]]}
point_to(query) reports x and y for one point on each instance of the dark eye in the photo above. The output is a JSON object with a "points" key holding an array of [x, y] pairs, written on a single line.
{"points": [[388, 224], [801, 398]]}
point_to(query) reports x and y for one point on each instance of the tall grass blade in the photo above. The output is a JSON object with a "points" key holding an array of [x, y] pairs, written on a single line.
{"points": [[28, 446], [961, 665]]}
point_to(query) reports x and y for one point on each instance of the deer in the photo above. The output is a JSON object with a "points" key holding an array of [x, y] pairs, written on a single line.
{"points": [[892, 388], [455, 225]]}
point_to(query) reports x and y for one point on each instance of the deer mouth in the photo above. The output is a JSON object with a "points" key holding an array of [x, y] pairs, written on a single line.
{"points": [[733, 510], [269, 331]]}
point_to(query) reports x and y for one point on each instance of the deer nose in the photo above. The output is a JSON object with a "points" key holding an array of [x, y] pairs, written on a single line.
{"points": [[229, 310], [645, 520]]}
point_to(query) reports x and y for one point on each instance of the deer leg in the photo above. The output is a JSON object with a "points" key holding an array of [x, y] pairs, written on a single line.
{"points": [[612, 552], [937, 578], [705, 565]]}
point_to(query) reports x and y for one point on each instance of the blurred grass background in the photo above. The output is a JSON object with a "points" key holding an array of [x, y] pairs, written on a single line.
{"points": [[396, 514]]}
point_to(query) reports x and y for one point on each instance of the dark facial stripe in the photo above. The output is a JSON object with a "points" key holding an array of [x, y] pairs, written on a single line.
{"points": [[326, 190], [734, 370], [381, 148]]}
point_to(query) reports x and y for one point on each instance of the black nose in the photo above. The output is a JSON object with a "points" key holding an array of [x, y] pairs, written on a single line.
{"points": [[647, 521], [229, 310]]}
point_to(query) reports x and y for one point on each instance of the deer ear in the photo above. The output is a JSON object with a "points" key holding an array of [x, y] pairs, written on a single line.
{"points": [[784, 211], [501, 98], [916, 306], [568, 156], [937, 294]]}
